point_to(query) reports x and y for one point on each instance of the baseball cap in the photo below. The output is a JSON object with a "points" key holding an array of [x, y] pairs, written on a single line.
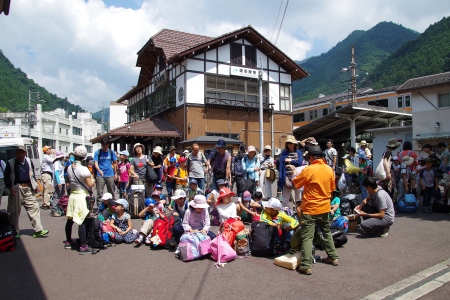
{"points": [[178, 194], [46, 148], [20, 147], [106, 196], [124, 152], [220, 182], [173, 160], [150, 201], [273, 203], [158, 186], [247, 196], [182, 159], [122, 202], [193, 181], [157, 194]]}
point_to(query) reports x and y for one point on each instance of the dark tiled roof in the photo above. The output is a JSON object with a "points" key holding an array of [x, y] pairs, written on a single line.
{"points": [[144, 128], [425, 81], [206, 139]]}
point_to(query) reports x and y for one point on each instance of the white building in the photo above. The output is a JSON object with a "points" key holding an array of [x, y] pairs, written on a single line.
{"points": [[52, 128], [117, 114]]}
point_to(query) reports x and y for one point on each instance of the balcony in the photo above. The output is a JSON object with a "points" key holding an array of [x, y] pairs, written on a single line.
{"points": [[235, 104]]}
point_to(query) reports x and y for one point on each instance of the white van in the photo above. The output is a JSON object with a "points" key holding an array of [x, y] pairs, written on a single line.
{"points": [[8, 150]]}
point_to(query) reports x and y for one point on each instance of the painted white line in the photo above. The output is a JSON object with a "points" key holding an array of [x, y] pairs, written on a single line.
{"points": [[426, 288], [390, 290]]}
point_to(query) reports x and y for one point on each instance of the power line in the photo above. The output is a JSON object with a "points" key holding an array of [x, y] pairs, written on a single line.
{"points": [[274, 26], [282, 19]]}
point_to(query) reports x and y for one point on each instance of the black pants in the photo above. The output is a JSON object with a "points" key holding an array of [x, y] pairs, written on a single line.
{"points": [[81, 231]]}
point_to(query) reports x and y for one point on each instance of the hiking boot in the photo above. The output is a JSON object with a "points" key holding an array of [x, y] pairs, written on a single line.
{"points": [[40, 233], [305, 271], [139, 240], [331, 261]]}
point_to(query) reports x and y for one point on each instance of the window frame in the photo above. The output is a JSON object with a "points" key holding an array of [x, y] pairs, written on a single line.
{"points": [[284, 99], [439, 100]]}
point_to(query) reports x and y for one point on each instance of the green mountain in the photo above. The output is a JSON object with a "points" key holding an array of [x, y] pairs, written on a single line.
{"points": [[98, 115], [14, 87], [371, 47], [426, 55]]}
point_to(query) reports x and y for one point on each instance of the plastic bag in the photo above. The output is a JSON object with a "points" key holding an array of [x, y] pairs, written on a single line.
{"points": [[342, 183]]}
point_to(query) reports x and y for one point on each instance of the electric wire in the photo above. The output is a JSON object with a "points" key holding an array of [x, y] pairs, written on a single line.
{"points": [[276, 22], [282, 19]]}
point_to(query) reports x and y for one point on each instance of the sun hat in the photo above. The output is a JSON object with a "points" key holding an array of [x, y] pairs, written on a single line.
{"points": [[395, 158], [267, 147], [157, 194], [224, 192], [251, 149], [291, 139], [59, 154], [407, 160], [186, 151], [172, 148], [80, 151], [157, 149], [138, 145], [221, 144], [122, 202], [199, 202], [46, 148], [158, 186], [363, 143], [124, 152], [173, 160], [315, 151], [150, 201], [221, 182], [182, 160], [393, 143], [246, 196], [178, 194], [273, 203], [193, 181], [312, 142], [106, 196]]}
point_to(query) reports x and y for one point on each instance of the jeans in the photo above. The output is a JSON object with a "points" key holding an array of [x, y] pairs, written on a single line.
{"points": [[200, 182], [59, 193], [429, 192], [307, 229]]}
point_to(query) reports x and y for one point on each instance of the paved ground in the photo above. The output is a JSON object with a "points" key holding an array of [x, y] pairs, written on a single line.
{"points": [[43, 269]]}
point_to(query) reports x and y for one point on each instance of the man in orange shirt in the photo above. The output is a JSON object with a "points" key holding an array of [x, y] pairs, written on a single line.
{"points": [[318, 182]]}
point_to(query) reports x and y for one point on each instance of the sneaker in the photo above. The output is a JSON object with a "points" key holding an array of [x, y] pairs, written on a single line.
{"points": [[384, 235], [55, 214], [139, 240], [88, 250], [40, 233], [305, 271], [177, 253], [17, 236], [148, 242], [330, 261], [69, 245]]}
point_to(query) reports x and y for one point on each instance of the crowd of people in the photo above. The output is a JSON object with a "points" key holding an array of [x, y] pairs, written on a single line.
{"points": [[304, 174]]}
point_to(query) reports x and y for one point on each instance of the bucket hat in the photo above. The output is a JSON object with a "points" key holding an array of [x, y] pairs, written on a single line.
{"points": [[393, 143], [199, 202], [157, 149], [224, 192], [407, 160]]}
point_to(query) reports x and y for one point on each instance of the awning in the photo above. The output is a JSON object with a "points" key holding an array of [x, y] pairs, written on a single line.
{"points": [[156, 128], [432, 136], [336, 125], [206, 139]]}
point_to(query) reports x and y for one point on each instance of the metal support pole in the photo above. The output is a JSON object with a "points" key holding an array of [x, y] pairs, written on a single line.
{"points": [[261, 121], [353, 133], [353, 67]]}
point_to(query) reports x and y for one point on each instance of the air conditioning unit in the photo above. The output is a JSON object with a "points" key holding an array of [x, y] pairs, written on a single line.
{"points": [[277, 151]]}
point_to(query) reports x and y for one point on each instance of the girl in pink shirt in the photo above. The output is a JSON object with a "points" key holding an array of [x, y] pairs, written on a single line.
{"points": [[124, 173]]}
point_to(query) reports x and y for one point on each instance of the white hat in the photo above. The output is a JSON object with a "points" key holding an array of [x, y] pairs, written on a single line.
{"points": [[178, 194], [80, 151], [199, 202], [406, 160], [267, 147], [273, 203], [251, 149], [106, 196], [157, 149], [186, 151]]}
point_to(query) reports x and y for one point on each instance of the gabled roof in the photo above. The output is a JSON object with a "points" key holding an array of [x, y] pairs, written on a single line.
{"points": [[144, 128], [425, 81], [176, 46]]}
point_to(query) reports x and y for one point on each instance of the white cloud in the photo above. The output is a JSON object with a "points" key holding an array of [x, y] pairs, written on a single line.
{"points": [[86, 51]]}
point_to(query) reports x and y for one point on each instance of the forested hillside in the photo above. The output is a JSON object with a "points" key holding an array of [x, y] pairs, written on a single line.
{"points": [[371, 47], [423, 56], [14, 87]]}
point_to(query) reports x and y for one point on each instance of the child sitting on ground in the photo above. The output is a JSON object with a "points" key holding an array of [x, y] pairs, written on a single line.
{"points": [[106, 207], [158, 187], [193, 189], [247, 207], [196, 218], [157, 197], [121, 223], [211, 199], [179, 204], [148, 214], [335, 203], [225, 207], [279, 219]]}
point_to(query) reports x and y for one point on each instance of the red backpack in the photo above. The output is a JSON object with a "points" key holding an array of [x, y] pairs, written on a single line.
{"points": [[162, 231], [230, 229]]}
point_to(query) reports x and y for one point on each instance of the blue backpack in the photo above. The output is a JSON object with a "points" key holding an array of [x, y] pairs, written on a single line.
{"points": [[407, 204], [340, 222]]}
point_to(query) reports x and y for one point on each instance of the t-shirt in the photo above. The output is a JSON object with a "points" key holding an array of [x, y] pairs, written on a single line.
{"points": [[445, 154], [47, 163], [139, 165], [58, 165], [151, 216], [171, 172], [404, 170], [178, 208], [382, 201], [167, 159], [123, 171], [195, 165], [181, 173], [105, 160], [427, 177], [330, 153], [337, 212], [226, 211], [82, 173], [246, 203], [190, 193]]}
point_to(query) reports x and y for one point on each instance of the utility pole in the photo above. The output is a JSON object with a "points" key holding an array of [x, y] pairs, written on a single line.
{"points": [[353, 67], [261, 121]]}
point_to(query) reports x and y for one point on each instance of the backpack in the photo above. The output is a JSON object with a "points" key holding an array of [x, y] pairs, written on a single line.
{"points": [[61, 206], [94, 234], [162, 231], [407, 204], [136, 203], [243, 243], [346, 204], [230, 229], [7, 233], [263, 239], [180, 213], [236, 169], [340, 222], [194, 245], [339, 236]]}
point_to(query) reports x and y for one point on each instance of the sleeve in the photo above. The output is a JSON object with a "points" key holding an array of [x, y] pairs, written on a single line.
{"points": [[289, 220], [58, 181], [206, 221], [299, 181], [367, 151], [264, 218], [187, 216], [96, 154], [335, 152], [299, 161], [387, 154], [84, 172], [114, 156]]}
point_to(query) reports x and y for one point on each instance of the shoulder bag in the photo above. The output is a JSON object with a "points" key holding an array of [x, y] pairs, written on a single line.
{"points": [[150, 174], [90, 199]]}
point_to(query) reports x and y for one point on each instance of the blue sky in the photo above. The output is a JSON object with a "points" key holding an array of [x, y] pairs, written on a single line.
{"points": [[85, 50]]}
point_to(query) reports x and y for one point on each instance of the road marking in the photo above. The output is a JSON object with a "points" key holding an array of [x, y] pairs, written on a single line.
{"points": [[424, 282]]}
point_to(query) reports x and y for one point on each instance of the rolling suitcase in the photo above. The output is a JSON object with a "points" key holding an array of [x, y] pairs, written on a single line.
{"points": [[136, 203]]}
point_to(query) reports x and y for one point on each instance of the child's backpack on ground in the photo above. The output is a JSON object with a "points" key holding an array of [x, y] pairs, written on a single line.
{"points": [[162, 231], [263, 237], [230, 229], [194, 245], [347, 204], [243, 243], [339, 236], [7, 233], [440, 206], [221, 251], [340, 222], [61, 206], [94, 234], [407, 204], [136, 203]]}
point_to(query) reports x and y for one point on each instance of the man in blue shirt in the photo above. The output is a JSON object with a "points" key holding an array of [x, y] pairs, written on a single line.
{"points": [[105, 161]]}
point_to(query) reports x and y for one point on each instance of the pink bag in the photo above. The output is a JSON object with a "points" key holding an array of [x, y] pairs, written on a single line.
{"points": [[221, 251], [205, 247]]}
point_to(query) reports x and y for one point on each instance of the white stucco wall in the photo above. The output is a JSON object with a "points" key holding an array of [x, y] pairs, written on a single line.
{"points": [[195, 88]]}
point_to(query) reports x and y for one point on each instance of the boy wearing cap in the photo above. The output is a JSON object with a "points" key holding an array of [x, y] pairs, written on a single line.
{"points": [[246, 207], [193, 190], [158, 188], [148, 214], [179, 204], [106, 208], [47, 170]]}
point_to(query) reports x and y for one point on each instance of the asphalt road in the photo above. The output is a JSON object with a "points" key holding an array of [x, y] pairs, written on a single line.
{"points": [[41, 268]]}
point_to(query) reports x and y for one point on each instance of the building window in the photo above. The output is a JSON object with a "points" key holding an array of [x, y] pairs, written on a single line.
{"points": [[234, 136], [381, 102], [299, 117], [313, 115], [407, 101], [162, 63], [75, 145], [399, 102], [338, 107], [285, 97], [236, 54], [444, 100], [250, 56], [77, 131], [325, 112], [89, 149], [67, 131]]}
